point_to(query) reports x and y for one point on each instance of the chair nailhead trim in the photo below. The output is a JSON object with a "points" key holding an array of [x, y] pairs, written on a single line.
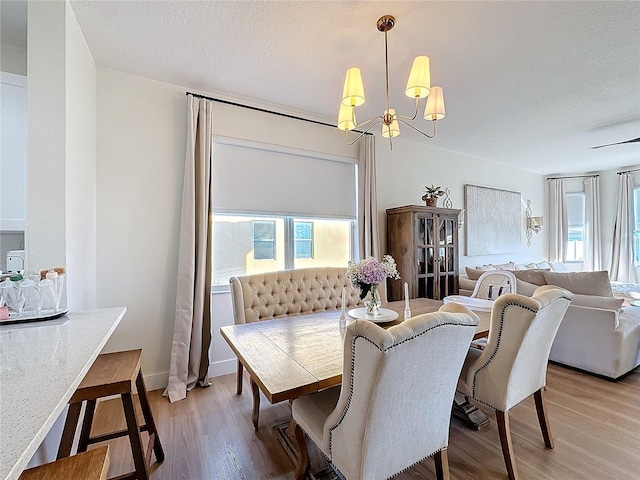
{"points": [[353, 366], [493, 354]]}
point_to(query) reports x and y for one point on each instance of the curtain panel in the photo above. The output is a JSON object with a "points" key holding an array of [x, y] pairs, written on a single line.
{"points": [[367, 199], [592, 260], [558, 225], [622, 261], [192, 331]]}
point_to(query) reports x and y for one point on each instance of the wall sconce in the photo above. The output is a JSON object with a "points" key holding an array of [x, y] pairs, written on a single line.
{"points": [[534, 224]]}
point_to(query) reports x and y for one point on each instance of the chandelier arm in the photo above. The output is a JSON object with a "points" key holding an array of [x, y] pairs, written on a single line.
{"points": [[346, 132], [420, 131], [369, 121], [415, 114]]}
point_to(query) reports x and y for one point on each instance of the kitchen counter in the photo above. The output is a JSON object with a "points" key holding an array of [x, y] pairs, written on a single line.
{"points": [[41, 365]]}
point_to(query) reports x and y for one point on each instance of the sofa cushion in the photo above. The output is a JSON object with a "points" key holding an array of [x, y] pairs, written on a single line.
{"points": [[596, 301], [525, 288], [585, 283], [535, 276], [474, 273]]}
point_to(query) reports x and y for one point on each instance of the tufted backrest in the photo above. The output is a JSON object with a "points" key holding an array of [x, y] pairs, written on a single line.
{"points": [[263, 296], [513, 365], [397, 390]]}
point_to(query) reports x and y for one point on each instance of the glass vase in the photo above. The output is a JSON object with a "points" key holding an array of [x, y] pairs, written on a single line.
{"points": [[372, 301]]}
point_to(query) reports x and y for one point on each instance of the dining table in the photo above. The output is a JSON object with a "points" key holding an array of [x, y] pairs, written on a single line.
{"points": [[296, 355], [41, 365]]}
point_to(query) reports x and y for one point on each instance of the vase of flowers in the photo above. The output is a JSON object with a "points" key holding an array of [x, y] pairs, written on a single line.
{"points": [[367, 274], [431, 195]]}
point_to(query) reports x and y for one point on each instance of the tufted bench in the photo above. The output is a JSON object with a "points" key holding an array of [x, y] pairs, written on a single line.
{"points": [[285, 293]]}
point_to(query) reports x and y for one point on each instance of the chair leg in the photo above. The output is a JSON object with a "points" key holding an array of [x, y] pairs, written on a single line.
{"points": [[303, 460], [256, 403], [507, 447], [70, 425], [239, 379], [148, 417], [134, 437], [441, 459], [543, 418], [89, 411]]}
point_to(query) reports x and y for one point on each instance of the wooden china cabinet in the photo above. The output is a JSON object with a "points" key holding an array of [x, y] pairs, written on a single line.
{"points": [[424, 243]]}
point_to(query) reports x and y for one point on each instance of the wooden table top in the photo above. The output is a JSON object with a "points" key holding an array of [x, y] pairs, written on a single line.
{"points": [[293, 356]]}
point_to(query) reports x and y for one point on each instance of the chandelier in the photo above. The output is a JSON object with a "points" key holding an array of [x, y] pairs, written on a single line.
{"points": [[418, 86]]}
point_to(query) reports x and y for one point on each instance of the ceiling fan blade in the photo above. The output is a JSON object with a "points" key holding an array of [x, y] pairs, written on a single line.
{"points": [[634, 140]]}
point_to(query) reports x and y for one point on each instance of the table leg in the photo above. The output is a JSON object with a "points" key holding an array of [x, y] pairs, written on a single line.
{"points": [[468, 413], [256, 403]]}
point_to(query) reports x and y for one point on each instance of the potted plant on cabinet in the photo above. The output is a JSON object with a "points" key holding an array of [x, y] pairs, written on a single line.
{"points": [[431, 195]]}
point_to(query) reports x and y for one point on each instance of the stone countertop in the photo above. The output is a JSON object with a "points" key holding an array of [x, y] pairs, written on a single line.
{"points": [[41, 365]]}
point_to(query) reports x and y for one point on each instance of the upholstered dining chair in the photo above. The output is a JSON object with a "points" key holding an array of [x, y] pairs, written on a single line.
{"points": [[513, 365], [489, 287], [393, 408]]}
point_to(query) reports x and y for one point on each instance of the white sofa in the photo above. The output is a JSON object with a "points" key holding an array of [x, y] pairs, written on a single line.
{"points": [[597, 334]]}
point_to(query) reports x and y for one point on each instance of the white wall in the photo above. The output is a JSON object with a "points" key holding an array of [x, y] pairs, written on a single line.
{"points": [[141, 138], [13, 59], [403, 173], [80, 171], [46, 224], [141, 141], [61, 161]]}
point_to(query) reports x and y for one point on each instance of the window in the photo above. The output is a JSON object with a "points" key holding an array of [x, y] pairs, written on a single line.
{"points": [[575, 221], [636, 231], [262, 225], [264, 240], [247, 244], [303, 246]]}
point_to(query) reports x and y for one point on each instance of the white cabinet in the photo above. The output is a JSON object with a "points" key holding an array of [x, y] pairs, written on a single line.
{"points": [[13, 152]]}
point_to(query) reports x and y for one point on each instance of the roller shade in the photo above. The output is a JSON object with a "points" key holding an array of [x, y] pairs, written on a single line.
{"points": [[256, 178]]}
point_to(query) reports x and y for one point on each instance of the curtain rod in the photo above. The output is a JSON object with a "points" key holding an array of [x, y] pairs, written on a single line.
{"points": [[629, 171], [264, 110], [575, 176]]}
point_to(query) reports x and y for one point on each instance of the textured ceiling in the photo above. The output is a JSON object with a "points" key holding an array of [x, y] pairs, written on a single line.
{"points": [[529, 84]]}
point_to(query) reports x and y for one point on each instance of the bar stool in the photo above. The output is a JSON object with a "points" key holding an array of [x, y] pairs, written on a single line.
{"points": [[91, 465], [114, 374]]}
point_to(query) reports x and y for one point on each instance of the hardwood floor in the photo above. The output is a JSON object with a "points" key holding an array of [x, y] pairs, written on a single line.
{"points": [[595, 424]]}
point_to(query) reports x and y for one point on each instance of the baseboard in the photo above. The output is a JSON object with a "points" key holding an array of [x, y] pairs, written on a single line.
{"points": [[159, 381], [156, 381], [224, 367]]}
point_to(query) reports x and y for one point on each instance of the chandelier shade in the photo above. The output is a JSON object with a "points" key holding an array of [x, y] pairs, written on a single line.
{"points": [[419, 82], [393, 129], [353, 91], [346, 118], [435, 105], [418, 86]]}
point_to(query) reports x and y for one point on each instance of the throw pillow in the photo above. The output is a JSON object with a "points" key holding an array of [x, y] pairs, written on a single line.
{"points": [[506, 266], [535, 276], [608, 303], [557, 266], [585, 283], [485, 268], [525, 288], [473, 273]]}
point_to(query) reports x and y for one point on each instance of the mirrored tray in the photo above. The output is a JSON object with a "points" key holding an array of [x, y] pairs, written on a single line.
{"points": [[385, 315], [14, 318]]}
